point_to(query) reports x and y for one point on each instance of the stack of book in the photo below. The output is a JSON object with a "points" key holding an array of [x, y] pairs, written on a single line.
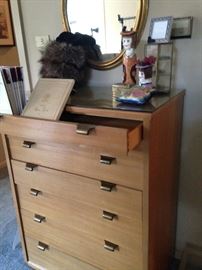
{"points": [[12, 91]]}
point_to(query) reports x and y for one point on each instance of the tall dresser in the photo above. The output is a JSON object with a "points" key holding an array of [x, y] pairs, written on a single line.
{"points": [[97, 190], [2, 156]]}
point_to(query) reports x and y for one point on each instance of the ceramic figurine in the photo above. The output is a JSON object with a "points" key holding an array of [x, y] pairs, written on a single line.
{"points": [[129, 58]]}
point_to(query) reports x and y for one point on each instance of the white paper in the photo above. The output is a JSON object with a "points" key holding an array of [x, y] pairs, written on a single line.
{"points": [[159, 30]]}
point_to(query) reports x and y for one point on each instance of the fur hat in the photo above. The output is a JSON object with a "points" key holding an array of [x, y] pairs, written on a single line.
{"points": [[87, 42], [67, 57], [60, 60]]}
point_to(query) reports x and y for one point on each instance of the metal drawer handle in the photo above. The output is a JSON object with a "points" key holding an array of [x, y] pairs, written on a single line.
{"points": [[30, 167], [38, 218], [84, 129], [110, 246], [108, 215], [42, 246], [106, 160], [106, 186], [28, 144], [34, 192]]}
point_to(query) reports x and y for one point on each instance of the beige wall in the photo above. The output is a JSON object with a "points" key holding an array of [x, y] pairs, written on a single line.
{"points": [[44, 17]]}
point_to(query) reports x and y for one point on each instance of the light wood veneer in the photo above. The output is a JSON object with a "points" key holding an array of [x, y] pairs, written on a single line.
{"points": [[75, 191]]}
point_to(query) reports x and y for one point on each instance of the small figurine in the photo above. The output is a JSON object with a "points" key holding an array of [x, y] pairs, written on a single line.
{"points": [[129, 58]]}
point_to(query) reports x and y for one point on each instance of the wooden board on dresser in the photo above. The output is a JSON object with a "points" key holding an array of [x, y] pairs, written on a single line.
{"points": [[84, 204]]}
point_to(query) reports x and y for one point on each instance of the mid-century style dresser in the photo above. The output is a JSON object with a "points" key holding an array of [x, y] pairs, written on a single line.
{"points": [[97, 190], [2, 156]]}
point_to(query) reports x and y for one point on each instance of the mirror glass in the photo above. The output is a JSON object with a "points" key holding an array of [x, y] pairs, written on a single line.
{"points": [[104, 20]]}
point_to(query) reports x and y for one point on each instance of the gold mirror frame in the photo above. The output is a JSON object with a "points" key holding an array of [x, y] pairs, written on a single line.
{"points": [[138, 28]]}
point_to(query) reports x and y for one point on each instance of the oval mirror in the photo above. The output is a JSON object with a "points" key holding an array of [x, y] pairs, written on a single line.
{"points": [[104, 20]]}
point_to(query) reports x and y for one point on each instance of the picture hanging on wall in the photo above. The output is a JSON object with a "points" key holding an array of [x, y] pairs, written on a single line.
{"points": [[182, 27], [160, 29], [6, 31]]}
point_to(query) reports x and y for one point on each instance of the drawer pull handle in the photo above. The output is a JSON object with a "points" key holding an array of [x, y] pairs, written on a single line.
{"points": [[110, 246], [34, 192], [42, 246], [106, 186], [30, 167], [28, 144], [84, 129], [106, 160], [108, 215], [38, 218]]}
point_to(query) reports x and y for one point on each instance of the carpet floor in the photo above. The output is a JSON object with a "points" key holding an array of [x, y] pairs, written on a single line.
{"points": [[10, 258]]}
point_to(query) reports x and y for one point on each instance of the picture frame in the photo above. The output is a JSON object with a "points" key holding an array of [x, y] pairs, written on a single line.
{"points": [[6, 31], [160, 29], [182, 27]]}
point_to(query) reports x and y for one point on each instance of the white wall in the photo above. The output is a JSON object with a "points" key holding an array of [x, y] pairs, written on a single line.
{"points": [[43, 17]]}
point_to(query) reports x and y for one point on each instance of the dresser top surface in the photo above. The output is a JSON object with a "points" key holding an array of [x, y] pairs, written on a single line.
{"points": [[101, 98]]}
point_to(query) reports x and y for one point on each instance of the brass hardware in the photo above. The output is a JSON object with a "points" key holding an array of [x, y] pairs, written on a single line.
{"points": [[38, 218], [30, 166], [84, 129], [106, 159], [110, 246], [106, 186], [108, 215], [28, 144], [34, 192], [42, 246]]}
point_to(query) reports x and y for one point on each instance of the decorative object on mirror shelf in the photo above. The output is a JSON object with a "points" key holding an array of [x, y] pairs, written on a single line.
{"points": [[67, 56], [182, 27], [6, 31], [160, 29], [162, 69], [144, 68], [129, 57]]}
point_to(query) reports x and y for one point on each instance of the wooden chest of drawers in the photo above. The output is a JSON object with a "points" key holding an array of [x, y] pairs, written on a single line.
{"points": [[2, 157], [97, 192]]}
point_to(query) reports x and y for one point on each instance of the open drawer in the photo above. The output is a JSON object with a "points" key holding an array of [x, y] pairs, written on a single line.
{"points": [[113, 135]]}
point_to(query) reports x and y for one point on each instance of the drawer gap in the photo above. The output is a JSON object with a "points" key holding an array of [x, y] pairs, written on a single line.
{"points": [[102, 121]]}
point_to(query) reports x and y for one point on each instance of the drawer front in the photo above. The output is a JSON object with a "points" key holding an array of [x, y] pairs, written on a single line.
{"points": [[104, 255], [52, 259], [89, 219], [83, 160], [66, 186], [117, 134]]}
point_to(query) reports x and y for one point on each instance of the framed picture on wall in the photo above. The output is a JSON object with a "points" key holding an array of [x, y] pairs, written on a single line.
{"points": [[182, 27], [6, 31], [160, 29]]}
